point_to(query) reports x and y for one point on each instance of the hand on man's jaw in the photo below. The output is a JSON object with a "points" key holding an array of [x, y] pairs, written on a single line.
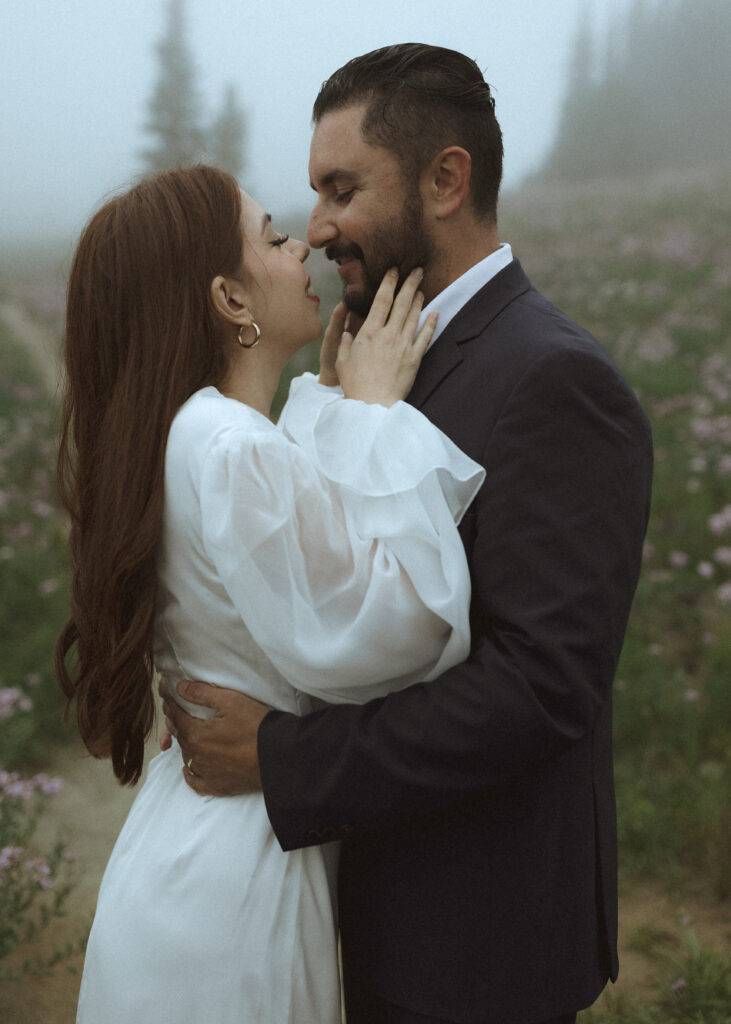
{"points": [[219, 753]]}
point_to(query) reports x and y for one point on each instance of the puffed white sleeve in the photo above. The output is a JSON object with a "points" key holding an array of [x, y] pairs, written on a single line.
{"points": [[341, 553]]}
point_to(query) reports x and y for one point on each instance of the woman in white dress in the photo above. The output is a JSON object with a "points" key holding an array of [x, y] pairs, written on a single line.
{"points": [[315, 558]]}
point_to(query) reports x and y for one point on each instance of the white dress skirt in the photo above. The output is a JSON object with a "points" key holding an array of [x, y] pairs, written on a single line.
{"points": [[319, 557]]}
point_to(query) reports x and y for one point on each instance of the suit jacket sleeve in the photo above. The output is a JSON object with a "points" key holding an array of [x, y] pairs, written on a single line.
{"points": [[554, 549]]}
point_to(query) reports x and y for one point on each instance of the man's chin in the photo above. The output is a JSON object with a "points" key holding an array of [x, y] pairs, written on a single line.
{"points": [[358, 301]]}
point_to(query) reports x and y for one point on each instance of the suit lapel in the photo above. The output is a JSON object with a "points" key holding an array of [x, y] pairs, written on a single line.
{"points": [[469, 322]]}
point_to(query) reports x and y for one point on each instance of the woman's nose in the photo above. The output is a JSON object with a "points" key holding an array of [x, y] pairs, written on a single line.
{"points": [[300, 249]]}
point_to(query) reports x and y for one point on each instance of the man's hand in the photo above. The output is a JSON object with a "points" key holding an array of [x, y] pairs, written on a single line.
{"points": [[220, 753]]}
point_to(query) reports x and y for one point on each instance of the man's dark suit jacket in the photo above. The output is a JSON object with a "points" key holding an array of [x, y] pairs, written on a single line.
{"points": [[478, 872]]}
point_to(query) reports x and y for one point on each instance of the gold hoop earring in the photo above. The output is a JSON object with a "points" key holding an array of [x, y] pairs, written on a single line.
{"points": [[255, 342]]}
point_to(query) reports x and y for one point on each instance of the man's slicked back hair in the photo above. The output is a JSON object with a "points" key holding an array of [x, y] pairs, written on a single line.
{"points": [[420, 99]]}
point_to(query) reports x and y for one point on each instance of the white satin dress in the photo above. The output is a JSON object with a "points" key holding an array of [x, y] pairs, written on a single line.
{"points": [[316, 557]]}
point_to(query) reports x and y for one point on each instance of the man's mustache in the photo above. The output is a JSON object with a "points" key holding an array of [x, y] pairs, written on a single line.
{"points": [[348, 252]]}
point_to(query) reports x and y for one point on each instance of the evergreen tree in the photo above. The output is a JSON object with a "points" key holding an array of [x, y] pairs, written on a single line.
{"points": [[226, 135], [581, 72], [579, 113], [174, 109], [662, 101]]}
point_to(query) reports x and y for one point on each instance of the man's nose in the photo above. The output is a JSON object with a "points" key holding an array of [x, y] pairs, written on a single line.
{"points": [[320, 229]]}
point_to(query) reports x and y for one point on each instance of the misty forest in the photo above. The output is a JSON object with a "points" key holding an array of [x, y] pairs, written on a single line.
{"points": [[627, 227]]}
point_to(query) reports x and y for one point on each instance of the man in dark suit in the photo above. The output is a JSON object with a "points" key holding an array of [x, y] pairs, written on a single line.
{"points": [[478, 872]]}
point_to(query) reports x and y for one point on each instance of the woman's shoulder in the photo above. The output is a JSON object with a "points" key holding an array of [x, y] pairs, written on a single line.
{"points": [[208, 415], [210, 427]]}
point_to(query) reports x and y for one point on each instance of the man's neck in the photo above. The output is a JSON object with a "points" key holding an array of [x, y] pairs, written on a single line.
{"points": [[454, 254]]}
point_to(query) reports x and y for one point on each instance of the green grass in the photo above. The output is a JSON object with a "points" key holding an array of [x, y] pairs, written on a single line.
{"points": [[645, 268], [689, 985], [33, 569]]}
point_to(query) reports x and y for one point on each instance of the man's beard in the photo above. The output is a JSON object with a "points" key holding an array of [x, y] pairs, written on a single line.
{"points": [[403, 245]]}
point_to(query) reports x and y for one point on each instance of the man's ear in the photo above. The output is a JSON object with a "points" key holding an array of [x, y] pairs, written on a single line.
{"points": [[445, 183], [229, 300]]}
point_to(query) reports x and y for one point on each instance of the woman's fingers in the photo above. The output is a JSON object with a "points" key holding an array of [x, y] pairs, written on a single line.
{"points": [[422, 339], [346, 343], [406, 300], [411, 321], [383, 301], [353, 323], [385, 309], [330, 343], [336, 324]]}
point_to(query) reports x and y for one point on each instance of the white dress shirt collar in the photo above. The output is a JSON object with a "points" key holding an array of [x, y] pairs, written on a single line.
{"points": [[449, 302]]}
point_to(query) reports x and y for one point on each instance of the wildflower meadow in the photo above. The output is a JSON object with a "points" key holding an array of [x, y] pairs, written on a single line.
{"points": [[645, 266], [36, 880]]}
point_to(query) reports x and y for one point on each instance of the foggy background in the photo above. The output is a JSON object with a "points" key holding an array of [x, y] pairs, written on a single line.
{"points": [[616, 119], [77, 77]]}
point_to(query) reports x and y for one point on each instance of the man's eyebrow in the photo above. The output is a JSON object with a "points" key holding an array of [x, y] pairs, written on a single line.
{"points": [[265, 221]]}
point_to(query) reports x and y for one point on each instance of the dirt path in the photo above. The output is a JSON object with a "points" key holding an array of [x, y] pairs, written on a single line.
{"points": [[40, 343], [88, 813]]}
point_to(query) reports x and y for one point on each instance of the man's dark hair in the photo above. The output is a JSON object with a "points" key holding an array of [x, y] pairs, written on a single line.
{"points": [[421, 99]]}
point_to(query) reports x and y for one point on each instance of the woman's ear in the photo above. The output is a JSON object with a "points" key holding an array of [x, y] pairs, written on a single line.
{"points": [[446, 181], [230, 300]]}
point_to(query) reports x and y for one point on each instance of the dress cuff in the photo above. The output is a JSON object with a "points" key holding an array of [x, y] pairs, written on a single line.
{"points": [[375, 450]]}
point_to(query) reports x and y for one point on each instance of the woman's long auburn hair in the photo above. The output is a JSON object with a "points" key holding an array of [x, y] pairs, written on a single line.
{"points": [[141, 337]]}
